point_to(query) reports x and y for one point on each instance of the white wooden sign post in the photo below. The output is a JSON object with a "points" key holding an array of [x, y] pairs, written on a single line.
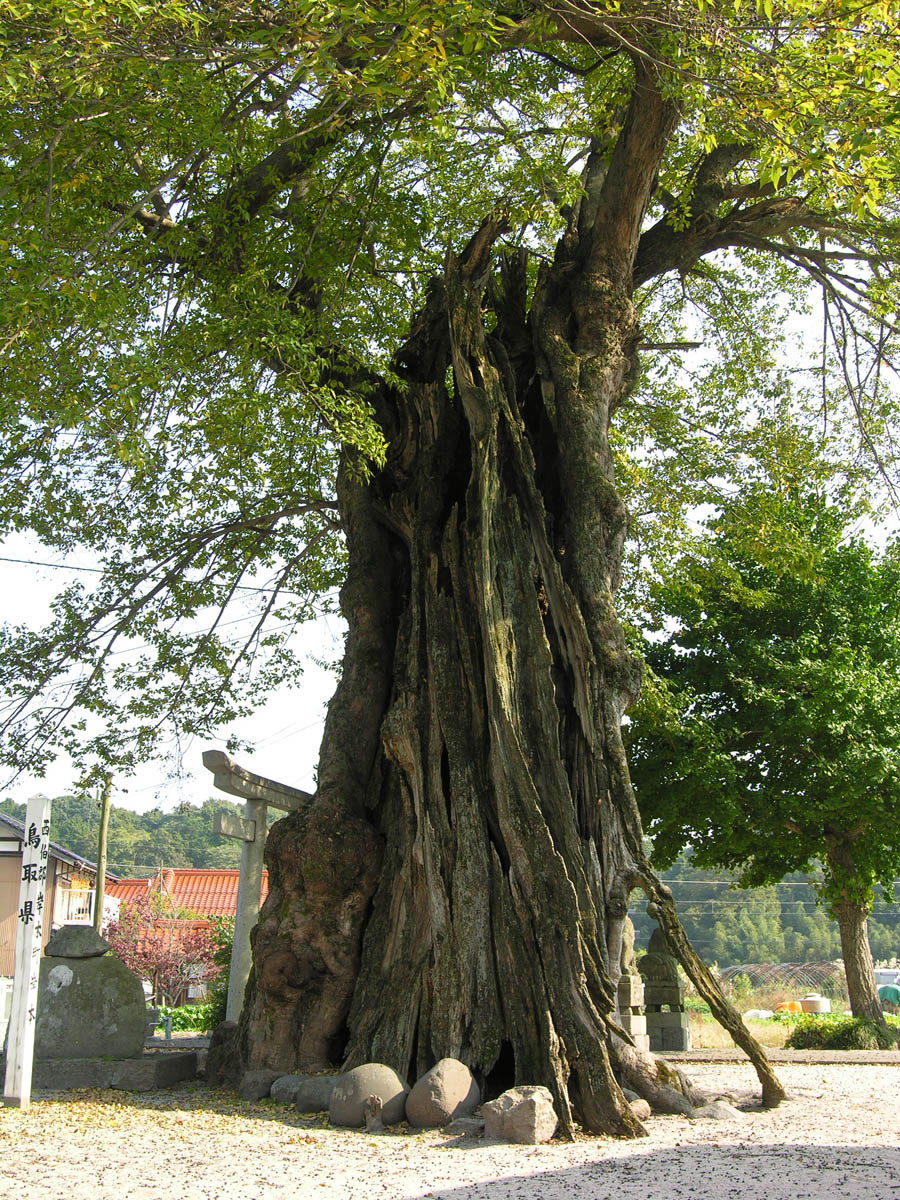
{"points": [[257, 793], [29, 938]]}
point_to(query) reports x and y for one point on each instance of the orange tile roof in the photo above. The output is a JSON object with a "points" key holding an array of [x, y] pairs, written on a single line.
{"points": [[207, 890]]}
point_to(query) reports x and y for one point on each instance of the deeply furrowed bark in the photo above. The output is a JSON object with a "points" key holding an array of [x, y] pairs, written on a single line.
{"points": [[492, 832], [497, 780], [488, 935]]}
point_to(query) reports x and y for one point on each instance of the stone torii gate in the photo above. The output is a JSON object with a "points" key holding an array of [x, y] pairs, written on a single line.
{"points": [[258, 793]]}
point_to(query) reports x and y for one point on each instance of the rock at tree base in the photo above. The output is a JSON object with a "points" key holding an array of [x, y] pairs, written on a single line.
{"points": [[353, 1089], [465, 1126], [76, 941], [89, 1008], [314, 1094], [640, 1108], [254, 1085], [284, 1088], [447, 1091], [310, 1093], [719, 1110], [523, 1114]]}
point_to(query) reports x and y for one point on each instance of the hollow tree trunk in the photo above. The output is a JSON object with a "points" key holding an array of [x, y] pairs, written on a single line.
{"points": [[459, 886]]}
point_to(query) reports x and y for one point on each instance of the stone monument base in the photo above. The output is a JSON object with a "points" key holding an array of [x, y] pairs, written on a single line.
{"points": [[668, 1030], [144, 1074]]}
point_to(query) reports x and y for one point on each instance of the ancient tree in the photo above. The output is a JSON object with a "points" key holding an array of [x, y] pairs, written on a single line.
{"points": [[357, 294]]}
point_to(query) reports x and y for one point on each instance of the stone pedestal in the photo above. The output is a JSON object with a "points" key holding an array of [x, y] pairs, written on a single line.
{"points": [[668, 1025], [145, 1074], [668, 1030], [630, 1000]]}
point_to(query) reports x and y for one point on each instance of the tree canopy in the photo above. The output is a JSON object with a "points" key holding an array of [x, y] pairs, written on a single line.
{"points": [[218, 221], [769, 737]]}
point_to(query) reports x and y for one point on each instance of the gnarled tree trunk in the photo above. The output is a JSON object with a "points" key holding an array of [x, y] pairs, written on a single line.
{"points": [[460, 884]]}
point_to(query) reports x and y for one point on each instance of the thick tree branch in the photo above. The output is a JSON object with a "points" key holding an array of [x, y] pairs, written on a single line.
{"points": [[287, 163], [616, 200], [663, 249]]}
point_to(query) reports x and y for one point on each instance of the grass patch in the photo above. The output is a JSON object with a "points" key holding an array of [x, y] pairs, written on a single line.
{"points": [[198, 1017], [708, 1034]]}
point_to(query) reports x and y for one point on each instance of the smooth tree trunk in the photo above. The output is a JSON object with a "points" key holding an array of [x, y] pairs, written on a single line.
{"points": [[851, 912], [862, 989], [460, 883]]}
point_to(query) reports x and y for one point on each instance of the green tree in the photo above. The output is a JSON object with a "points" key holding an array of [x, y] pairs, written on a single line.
{"points": [[770, 740], [731, 925], [299, 296]]}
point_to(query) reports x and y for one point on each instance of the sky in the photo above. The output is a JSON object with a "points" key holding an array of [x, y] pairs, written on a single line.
{"points": [[285, 733]]}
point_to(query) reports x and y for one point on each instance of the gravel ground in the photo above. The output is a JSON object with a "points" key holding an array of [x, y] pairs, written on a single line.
{"points": [[837, 1137]]}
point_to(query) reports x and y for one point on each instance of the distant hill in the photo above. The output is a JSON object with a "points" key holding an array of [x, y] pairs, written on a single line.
{"points": [[727, 926], [140, 843], [781, 923]]}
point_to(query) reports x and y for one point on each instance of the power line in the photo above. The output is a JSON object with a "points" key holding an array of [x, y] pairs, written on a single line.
{"points": [[287, 731], [30, 562], [727, 883]]}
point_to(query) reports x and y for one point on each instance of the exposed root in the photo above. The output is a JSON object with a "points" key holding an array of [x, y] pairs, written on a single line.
{"points": [[665, 1088]]}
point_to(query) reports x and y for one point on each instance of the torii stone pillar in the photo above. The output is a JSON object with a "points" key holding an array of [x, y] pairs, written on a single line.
{"points": [[257, 793]]}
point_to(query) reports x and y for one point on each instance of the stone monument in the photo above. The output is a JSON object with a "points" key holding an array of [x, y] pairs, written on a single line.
{"points": [[91, 1021], [668, 1026], [630, 992], [89, 1003]]}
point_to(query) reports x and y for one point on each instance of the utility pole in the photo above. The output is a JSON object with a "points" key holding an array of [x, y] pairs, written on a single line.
{"points": [[100, 885]]}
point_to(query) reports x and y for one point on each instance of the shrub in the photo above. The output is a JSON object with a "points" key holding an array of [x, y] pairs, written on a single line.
{"points": [[695, 1004], [188, 1017], [223, 939], [821, 1032]]}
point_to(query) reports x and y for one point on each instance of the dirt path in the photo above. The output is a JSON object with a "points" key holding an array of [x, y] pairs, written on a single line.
{"points": [[837, 1138]]}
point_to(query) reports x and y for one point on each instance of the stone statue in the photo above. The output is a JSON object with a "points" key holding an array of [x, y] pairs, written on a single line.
{"points": [[628, 962], [663, 990]]}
